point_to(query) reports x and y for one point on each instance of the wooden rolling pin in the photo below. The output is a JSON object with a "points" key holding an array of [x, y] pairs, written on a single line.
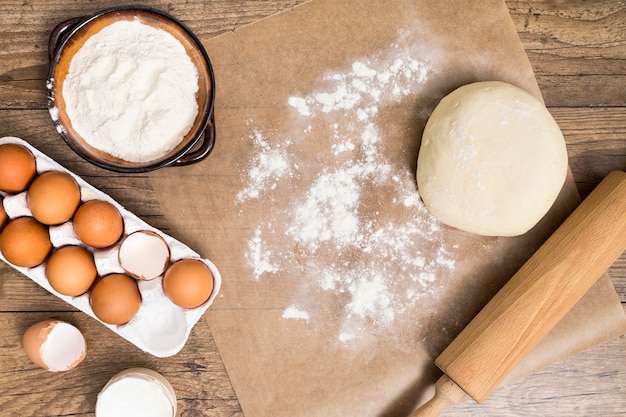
{"points": [[546, 287]]}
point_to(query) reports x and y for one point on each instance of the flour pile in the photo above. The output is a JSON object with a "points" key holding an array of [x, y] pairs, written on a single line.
{"points": [[335, 232], [131, 91]]}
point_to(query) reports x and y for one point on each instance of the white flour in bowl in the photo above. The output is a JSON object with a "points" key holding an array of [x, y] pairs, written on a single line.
{"points": [[131, 91]]}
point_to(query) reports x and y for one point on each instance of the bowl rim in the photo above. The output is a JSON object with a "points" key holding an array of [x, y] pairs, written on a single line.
{"points": [[204, 123]]}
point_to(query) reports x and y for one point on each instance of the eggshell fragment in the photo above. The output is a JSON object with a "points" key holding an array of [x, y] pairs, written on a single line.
{"points": [[54, 345], [98, 223], [137, 392], [144, 254], [17, 168], [188, 283], [25, 242], [71, 270], [53, 197], [115, 299]]}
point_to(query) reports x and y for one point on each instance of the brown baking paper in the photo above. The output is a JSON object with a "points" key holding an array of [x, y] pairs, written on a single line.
{"points": [[339, 289]]}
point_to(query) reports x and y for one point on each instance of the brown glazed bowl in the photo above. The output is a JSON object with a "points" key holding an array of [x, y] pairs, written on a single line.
{"points": [[69, 36]]}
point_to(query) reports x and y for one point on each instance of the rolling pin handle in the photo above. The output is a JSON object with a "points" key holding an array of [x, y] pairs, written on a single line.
{"points": [[447, 394]]}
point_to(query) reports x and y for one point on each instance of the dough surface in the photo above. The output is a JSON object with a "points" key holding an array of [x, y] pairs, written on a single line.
{"points": [[492, 160]]}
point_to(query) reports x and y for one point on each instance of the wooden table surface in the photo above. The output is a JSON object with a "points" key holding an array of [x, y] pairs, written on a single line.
{"points": [[578, 51]]}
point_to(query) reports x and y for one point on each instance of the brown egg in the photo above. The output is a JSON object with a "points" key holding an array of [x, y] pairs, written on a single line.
{"points": [[71, 270], [98, 223], [17, 168], [54, 345], [115, 299], [4, 218], [188, 283], [25, 242], [53, 197]]}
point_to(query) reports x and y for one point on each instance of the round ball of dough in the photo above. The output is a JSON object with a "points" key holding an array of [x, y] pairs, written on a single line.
{"points": [[492, 160]]}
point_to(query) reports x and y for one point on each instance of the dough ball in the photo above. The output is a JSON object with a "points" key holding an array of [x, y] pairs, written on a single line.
{"points": [[492, 160]]}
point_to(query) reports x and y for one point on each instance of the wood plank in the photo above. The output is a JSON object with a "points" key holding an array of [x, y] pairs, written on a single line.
{"points": [[595, 142], [587, 384], [578, 52], [577, 49], [583, 90], [197, 373]]}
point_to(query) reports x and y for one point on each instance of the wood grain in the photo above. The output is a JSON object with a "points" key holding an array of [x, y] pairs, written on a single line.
{"points": [[201, 382], [539, 295], [578, 51]]}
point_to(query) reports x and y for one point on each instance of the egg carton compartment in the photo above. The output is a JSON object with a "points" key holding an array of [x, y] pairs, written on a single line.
{"points": [[160, 327]]}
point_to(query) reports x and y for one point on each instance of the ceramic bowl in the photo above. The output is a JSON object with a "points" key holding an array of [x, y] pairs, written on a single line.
{"points": [[69, 36]]}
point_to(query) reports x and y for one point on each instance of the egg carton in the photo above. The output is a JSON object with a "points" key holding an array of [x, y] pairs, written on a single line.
{"points": [[160, 327]]}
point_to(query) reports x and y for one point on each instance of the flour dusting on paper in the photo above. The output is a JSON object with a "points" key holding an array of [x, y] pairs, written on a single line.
{"points": [[269, 165], [293, 312], [332, 232]]}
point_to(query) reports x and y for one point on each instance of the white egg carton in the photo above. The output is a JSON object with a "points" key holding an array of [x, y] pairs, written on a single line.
{"points": [[160, 327]]}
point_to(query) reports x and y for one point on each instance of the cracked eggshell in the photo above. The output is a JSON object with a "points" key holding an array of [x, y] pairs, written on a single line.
{"points": [[54, 345], [137, 392], [144, 254]]}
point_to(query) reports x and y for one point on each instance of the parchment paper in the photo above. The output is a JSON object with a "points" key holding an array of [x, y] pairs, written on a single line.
{"points": [[339, 289]]}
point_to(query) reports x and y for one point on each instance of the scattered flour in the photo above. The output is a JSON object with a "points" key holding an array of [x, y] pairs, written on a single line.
{"points": [[364, 85], [293, 312], [333, 232], [329, 213], [266, 169], [259, 256]]}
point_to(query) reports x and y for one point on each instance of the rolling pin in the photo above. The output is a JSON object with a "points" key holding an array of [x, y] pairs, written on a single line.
{"points": [[532, 302]]}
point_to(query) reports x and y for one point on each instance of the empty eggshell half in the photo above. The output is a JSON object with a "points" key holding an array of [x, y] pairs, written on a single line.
{"points": [[144, 254], [137, 392], [54, 345]]}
